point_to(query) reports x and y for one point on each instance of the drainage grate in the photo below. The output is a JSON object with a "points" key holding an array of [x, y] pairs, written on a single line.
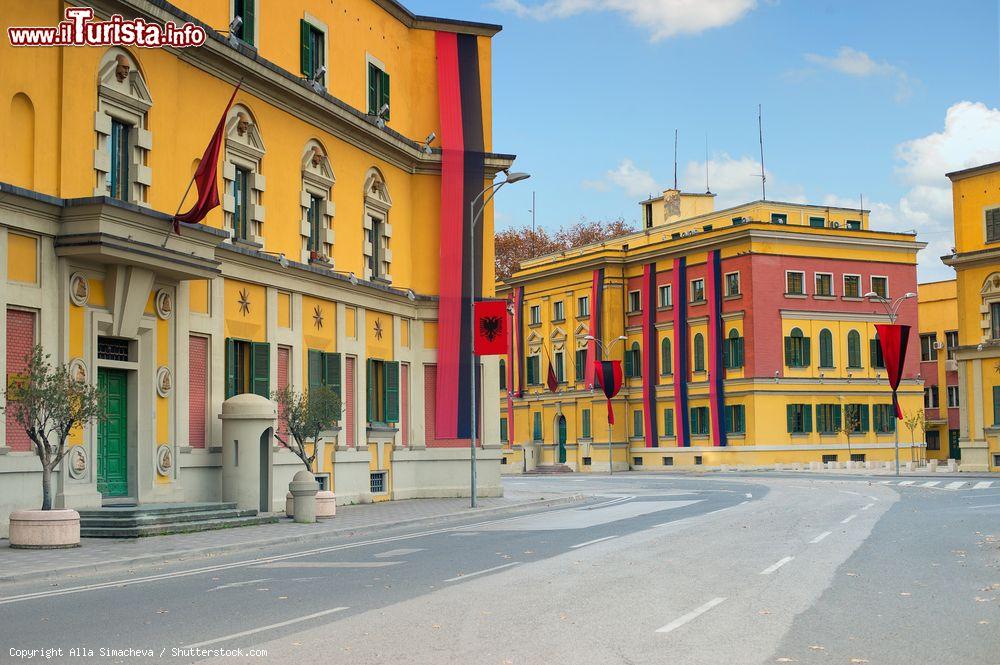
{"points": [[378, 482]]}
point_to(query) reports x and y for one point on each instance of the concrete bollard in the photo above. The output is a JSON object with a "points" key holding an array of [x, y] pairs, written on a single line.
{"points": [[932, 465], [304, 488], [797, 466], [952, 466], [723, 467]]}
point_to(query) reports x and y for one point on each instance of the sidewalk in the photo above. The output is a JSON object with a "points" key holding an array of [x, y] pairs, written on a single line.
{"points": [[104, 554]]}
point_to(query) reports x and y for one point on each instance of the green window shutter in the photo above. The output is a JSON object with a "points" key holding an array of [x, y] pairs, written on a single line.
{"points": [[727, 353], [305, 52], [996, 405], [788, 352], [790, 416], [863, 408], [729, 418], [315, 370], [230, 368], [248, 20], [562, 429], [331, 372], [585, 429], [836, 417], [503, 429], [260, 368], [370, 402], [391, 384], [373, 81], [537, 427], [805, 352], [668, 422], [628, 364], [807, 417], [873, 353], [739, 352], [385, 93], [637, 423]]}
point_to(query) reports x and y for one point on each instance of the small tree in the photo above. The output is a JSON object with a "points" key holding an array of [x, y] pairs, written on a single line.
{"points": [[304, 416], [915, 422], [851, 425], [49, 403]]}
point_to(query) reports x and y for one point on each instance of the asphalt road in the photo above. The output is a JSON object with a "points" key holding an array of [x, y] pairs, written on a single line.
{"points": [[652, 569]]}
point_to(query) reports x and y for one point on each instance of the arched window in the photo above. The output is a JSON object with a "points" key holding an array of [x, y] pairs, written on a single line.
{"points": [[732, 351], [699, 353], [316, 202], [503, 374], [666, 367], [633, 361], [877, 360], [825, 348], [378, 230], [796, 349], [244, 203], [854, 350]]}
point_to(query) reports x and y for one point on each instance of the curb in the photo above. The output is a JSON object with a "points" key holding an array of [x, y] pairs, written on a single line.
{"points": [[219, 550]]}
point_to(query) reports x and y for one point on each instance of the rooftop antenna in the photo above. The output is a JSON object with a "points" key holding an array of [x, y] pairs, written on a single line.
{"points": [[675, 158], [532, 211], [760, 136], [862, 210], [708, 190]]}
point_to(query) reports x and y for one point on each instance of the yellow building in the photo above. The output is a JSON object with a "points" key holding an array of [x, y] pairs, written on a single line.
{"points": [[976, 260], [321, 266], [745, 334], [938, 315]]}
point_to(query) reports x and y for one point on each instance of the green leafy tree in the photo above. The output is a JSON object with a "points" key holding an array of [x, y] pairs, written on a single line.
{"points": [[915, 423], [304, 416], [49, 403], [851, 424]]}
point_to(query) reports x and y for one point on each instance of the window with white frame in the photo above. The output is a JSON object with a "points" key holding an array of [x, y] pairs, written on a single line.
{"points": [[697, 290], [583, 306], [316, 202], [992, 219], [665, 296], [732, 283], [824, 284], [558, 311], [852, 286], [880, 286], [952, 397], [795, 283], [241, 171], [123, 138], [378, 230], [535, 315], [634, 301]]}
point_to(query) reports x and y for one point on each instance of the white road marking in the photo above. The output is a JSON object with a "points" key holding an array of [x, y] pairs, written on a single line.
{"points": [[400, 552], [988, 505], [235, 585], [585, 518], [867, 506], [930, 483], [848, 518], [774, 566], [884, 482], [591, 542], [906, 482], [329, 564], [687, 520], [819, 537], [748, 495], [693, 614], [955, 485], [126, 582], [272, 626], [982, 485], [482, 572]]}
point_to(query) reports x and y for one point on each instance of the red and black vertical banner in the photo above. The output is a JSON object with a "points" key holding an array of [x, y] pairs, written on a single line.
{"points": [[517, 348], [462, 178], [608, 375], [716, 361], [681, 350], [596, 308], [649, 358], [893, 338]]}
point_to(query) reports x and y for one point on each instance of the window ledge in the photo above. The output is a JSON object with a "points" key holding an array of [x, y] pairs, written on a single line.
{"points": [[535, 325], [825, 297], [698, 302], [664, 308], [736, 435], [734, 296], [633, 312], [246, 243], [851, 298], [582, 316], [800, 435], [796, 295], [558, 320]]}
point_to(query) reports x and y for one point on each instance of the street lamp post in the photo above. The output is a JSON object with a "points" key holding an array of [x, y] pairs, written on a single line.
{"points": [[606, 350], [892, 311], [493, 188]]}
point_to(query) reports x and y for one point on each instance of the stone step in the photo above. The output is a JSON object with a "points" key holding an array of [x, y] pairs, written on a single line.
{"points": [[100, 519], [551, 468], [139, 531], [157, 508]]}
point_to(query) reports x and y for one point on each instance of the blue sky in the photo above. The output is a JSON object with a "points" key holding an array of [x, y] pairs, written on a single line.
{"points": [[875, 98]]}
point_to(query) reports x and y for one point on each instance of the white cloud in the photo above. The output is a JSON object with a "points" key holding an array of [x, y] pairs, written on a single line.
{"points": [[636, 182], [737, 180], [971, 136], [662, 18], [852, 62]]}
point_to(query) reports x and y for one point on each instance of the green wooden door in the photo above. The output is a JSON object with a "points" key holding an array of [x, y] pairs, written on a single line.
{"points": [[112, 434], [562, 439], [954, 450]]}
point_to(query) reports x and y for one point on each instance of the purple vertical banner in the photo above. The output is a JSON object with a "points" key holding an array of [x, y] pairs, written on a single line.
{"points": [[716, 371], [681, 351], [649, 364]]}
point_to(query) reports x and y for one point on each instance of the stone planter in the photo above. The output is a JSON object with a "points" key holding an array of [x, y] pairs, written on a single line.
{"points": [[44, 529], [326, 505]]}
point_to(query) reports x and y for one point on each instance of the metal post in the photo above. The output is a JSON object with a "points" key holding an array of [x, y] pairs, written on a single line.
{"points": [[472, 337], [895, 428], [611, 462]]}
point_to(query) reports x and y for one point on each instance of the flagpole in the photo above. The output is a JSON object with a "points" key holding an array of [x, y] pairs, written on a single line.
{"points": [[179, 206]]}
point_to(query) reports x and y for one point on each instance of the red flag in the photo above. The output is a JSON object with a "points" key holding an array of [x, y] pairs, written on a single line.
{"points": [[491, 328], [206, 176], [893, 338], [551, 381]]}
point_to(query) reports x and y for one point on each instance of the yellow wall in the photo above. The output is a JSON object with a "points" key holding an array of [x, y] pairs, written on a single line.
{"points": [[22, 258]]}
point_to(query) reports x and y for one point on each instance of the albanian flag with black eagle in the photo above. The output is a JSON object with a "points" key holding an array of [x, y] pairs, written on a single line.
{"points": [[491, 328]]}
